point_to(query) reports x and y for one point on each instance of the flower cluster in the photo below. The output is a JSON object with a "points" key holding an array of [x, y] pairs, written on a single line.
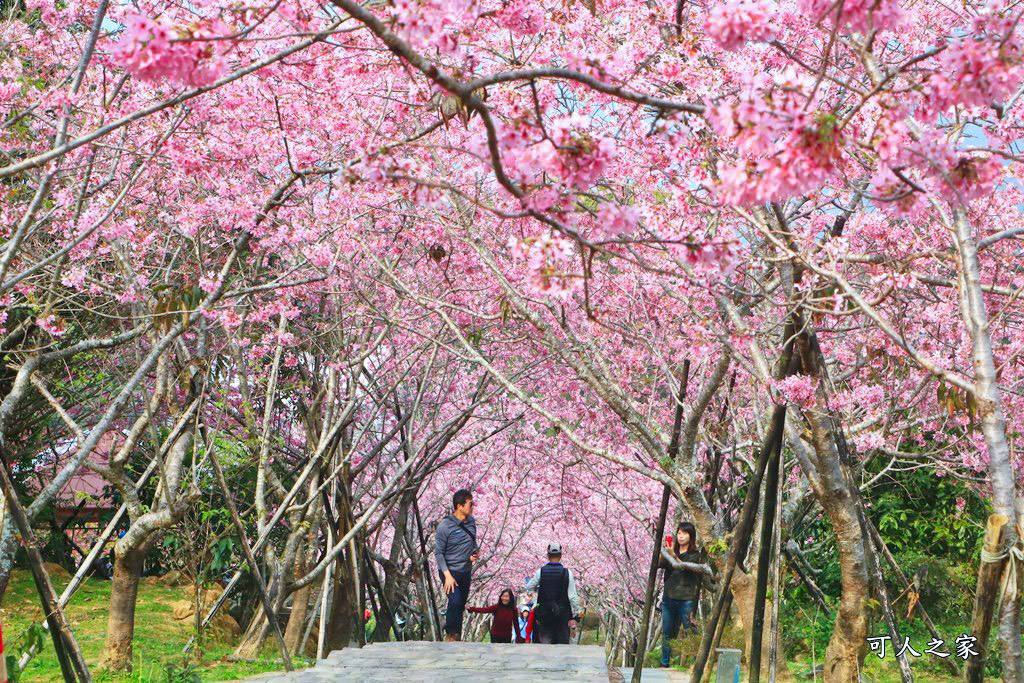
{"points": [[971, 176], [5, 308], [734, 22], [615, 220], [959, 174], [798, 389], [152, 52], [10, 74], [786, 148], [52, 324], [711, 257], [49, 12], [522, 18], [433, 23], [979, 67], [549, 261], [573, 153], [858, 15]]}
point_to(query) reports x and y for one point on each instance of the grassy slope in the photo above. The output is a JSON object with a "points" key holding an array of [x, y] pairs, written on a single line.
{"points": [[875, 670], [158, 637]]}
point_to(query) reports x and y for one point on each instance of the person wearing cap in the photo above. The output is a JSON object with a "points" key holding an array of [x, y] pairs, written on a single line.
{"points": [[558, 603]]}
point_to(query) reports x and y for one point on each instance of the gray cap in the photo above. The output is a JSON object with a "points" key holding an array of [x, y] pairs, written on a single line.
{"points": [[554, 548]]}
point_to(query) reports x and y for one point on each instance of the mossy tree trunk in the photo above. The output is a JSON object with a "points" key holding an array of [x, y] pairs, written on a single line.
{"points": [[124, 591]]}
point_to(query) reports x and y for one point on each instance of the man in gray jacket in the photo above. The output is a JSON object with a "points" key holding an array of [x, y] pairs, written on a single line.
{"points": [[455, 551]]}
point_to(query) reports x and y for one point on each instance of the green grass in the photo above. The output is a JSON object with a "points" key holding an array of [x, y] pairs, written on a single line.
{"points": [[159, 638], [875, 670]]}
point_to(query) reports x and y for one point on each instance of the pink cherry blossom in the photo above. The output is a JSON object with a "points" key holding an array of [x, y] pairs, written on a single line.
{"points": [[550, 263], [979, 68], [798, 389], [733, 22], [858, 15], [521, 17], [153, 52], [541, 210], [615, 220], [52, 324]]}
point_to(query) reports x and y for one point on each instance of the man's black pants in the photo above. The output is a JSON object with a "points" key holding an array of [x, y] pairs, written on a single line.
{"points": [[456, 602], [553, 631]]}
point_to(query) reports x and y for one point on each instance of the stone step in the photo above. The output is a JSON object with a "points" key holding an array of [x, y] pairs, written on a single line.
{"points": [[429, 662]]}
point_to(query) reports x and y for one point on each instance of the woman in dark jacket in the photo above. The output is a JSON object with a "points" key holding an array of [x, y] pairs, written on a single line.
{"points": [[685, 568], [506, 618]]}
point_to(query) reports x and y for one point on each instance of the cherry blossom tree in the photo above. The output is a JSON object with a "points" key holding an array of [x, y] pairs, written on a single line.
{"points": [[455, 215]]}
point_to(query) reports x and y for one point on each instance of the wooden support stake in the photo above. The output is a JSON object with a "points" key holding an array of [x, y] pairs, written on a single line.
{"points": [[771, 501], [787, 365], [740, 540], [652, 574], [357, 588], [773, 647], [992, 564], [435, 618], [375, 583], [268, 608], [722, 623], [948, 662], [325, 598], [797, 563], [69, 655], [883, 593], [374, 609]]}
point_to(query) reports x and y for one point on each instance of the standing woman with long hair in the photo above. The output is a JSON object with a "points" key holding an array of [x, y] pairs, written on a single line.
{"points": [[506, 617], [685, 566]]}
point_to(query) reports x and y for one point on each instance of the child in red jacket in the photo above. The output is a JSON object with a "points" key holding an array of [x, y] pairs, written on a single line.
{"points": [[506, 618], [527, 615]]}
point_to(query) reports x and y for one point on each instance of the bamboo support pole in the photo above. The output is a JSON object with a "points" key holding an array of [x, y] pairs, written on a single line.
{"points": [[652, 574], [804, 573], [883, 593], [773, 647], [261, 585], [948, 662], [69, 655], [993, 561], [768, 522], [740, 541]]}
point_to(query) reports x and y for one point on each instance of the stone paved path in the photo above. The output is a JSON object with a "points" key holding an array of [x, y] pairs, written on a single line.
{"points": [[424, 662]]}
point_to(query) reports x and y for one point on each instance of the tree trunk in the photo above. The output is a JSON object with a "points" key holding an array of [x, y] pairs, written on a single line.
{"points": [[124, 591], [279, 566], [985, 594], [993, 427], [840, 500], [252, 640], [5, 578], [742, 589], [839, 497], [340, 628], [392, 573], [8, 548], [300, 609], [849, 637]]}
